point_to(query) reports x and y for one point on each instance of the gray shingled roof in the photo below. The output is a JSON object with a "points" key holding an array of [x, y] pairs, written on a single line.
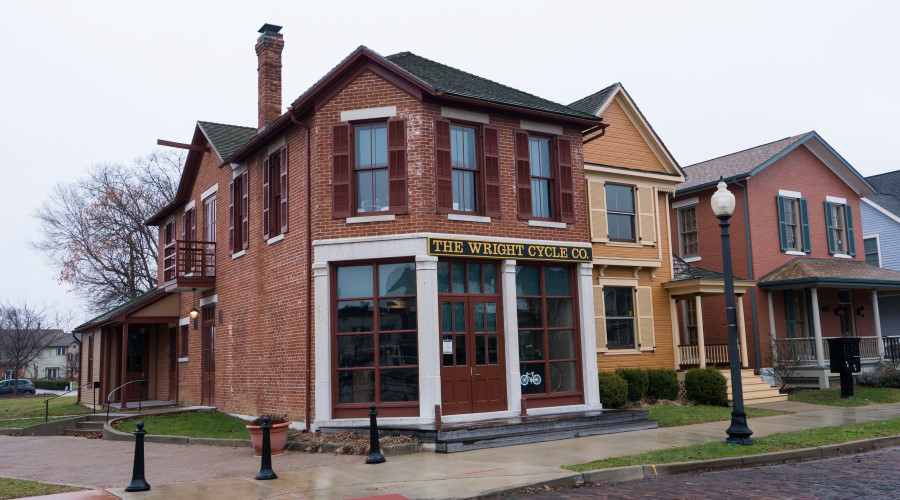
{"points": [[115, 311], [226, 139], [452, 81], [888, 187], [685, 271], [804, 269], [734, 164], [592, 103]]}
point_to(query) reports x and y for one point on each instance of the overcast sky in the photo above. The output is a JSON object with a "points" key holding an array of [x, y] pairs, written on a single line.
{"points": [[91, 82]]}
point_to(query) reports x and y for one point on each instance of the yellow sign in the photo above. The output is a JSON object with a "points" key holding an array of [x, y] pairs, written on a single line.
{"points": [[502, 250]]}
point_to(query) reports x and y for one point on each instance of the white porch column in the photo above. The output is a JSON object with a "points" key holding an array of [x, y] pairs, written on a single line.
{"points": [[701, 342], [429, 335], [817, 328], [876, 317], [742, 330], [772, 332], [323, 341], [511, 336], [676, 335], [588, 334]]}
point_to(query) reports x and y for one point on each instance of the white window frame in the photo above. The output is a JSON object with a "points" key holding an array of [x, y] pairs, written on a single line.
{"points": [[678, 218], [877, 237]]}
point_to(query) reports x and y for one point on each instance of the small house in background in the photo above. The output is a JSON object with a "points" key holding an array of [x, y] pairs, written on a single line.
{"points": [[55, 362], [881, 242]]}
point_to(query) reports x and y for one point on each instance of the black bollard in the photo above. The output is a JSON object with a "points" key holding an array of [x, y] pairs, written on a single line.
{"points": [[265, 470], [138, 483], [375, 456]]}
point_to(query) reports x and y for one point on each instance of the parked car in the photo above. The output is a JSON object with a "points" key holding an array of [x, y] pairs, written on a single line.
{"points": [[25, 387]]}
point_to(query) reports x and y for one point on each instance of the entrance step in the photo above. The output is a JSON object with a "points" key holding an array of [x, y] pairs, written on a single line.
{"points": [[494, 433], [756, 390], [89, 425]]}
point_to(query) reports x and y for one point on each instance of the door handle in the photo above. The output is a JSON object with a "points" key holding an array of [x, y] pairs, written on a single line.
{"points": [[474, 371]]}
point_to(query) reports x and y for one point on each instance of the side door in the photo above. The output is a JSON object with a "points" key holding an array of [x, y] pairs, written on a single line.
{"points": [[489, 377], [456, 372]]}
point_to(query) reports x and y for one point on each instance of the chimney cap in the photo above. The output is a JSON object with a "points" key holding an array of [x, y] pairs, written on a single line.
{"points": [[270, 29]]}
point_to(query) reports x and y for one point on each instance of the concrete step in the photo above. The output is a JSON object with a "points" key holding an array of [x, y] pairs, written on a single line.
{"points": [[89, 425], [487, 442], [772, 399]]}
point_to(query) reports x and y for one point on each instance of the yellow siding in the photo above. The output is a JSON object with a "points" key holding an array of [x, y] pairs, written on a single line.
{"points": [[88, 393], [622, 145], [163, 307]]}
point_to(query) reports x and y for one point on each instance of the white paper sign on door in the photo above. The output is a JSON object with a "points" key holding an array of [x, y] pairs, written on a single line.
{"points": [[448, 346]]}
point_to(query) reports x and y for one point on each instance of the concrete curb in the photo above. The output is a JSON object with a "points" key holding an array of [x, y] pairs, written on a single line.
{"points": [[112, 434], [635, 472]]}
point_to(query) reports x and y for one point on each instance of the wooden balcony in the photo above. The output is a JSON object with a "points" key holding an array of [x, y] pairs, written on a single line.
{"points": [[189, 265]]}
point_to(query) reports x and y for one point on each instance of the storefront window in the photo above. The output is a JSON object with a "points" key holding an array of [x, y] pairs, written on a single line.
{"points": [[376, 338], [548, 345]]}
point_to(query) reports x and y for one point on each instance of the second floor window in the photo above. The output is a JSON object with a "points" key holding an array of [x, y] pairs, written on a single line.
{"points": [[60, 351], [238, 213], [620, 212], [189, 225], [541, 177], [839, 228], [873, 252], [793, 224], [463, 158], [275, 189], [371, 148], [688, 241]]}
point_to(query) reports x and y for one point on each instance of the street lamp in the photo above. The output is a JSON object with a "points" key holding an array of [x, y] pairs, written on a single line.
{"points": [[723, 206]]}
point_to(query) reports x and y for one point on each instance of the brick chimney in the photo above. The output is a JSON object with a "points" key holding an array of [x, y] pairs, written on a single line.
{"points": [[268, 52]]}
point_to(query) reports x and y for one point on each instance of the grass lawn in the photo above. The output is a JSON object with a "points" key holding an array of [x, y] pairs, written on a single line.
{"points": [[10, 424], [207, 424], [864, 396], [671, 415], [775, 442], [18, 488], [33, 406]]}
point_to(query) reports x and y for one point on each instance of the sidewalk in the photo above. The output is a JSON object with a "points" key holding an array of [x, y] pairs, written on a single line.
{"points": [[482, 472]]}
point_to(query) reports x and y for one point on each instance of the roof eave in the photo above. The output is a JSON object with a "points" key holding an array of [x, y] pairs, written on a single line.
{"points": [[837, 282], [711, 184]]}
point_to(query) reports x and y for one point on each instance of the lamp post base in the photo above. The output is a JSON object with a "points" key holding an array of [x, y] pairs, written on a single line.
{"points": [[738, 432]]}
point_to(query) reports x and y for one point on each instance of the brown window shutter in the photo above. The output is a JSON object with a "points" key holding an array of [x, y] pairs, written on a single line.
{"points": [[206, 217], [265, 197], [283, 185], [193, 224], [245, 210], [231, 214], [523, 176], [397, 180], [184, 224], [442, 166], [340, 176], [565, 180], [491, 173]]}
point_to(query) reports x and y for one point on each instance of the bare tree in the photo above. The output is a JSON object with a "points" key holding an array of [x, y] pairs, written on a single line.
{"points": [[786, 365], [25, 330], [93, 229]]}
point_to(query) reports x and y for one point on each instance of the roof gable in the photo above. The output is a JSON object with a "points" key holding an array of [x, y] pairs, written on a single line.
{"points": [[888, 187], [630, 129], [749, 162], [226, 139]]}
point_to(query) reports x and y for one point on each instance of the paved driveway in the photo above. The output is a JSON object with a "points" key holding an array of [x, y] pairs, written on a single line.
{"points": [[95, 463], [875, 474]]}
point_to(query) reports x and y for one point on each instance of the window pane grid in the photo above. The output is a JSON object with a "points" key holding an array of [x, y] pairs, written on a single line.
{"points": [[541, 177], [620, 212]]}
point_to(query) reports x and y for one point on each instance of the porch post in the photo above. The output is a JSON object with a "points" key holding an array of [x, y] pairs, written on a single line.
{"points": [[676, 335], [772, 332], [701, 342], [742, 330], [817, 328], [429, 344], [876, 317], [124, 355]]}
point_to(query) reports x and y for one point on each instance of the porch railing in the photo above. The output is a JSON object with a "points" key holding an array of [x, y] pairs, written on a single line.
{"points": [[892, 349], [716, 354], [189, 258], [804, 349]]}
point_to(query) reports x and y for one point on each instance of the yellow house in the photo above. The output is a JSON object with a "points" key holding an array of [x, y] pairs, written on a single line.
{"points": [[631, 178]]}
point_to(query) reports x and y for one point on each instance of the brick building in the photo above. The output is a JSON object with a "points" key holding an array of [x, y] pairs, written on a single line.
{"points": [[796, 235], [406, 234]]}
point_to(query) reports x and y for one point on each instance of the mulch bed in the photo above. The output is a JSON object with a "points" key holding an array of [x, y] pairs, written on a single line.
{"points": [[85, 434], [348, 443]]}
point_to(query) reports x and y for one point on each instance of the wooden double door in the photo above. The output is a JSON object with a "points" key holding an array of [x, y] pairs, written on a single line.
{"points": [[473, 374]]}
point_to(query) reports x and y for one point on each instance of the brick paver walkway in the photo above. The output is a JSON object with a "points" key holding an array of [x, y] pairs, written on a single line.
{"points": [[868, 475], [96, 463]]}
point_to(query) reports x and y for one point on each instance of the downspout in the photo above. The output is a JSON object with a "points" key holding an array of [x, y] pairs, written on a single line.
{"points": [[750, 270], [309, 307]]}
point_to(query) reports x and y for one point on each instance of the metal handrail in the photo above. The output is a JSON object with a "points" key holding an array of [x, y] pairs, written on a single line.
{"points": [[47, 401], [140, 399]]}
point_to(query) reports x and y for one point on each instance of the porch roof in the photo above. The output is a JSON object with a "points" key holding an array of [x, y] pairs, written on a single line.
{"points": [[692, 280], [830, 273], [129, 307]]}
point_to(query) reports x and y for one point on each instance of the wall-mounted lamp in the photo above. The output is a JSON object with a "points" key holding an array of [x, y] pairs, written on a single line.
{"points": [[861, 311], [194, 312]]}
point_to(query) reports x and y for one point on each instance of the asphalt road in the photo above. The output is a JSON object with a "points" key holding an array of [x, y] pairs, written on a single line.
{"points": [[872, 475]]}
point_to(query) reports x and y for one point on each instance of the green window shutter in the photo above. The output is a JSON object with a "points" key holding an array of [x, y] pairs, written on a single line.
{"points": [[804, 225], [782, 224], [851, 241], [789, 312], [829, 228]]}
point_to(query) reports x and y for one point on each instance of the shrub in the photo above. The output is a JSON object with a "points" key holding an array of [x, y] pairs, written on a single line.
{"points": [[273, 419], [637, 382], [613, 390], [879, 379], [51, 385], [706, 386], [662, 384]]}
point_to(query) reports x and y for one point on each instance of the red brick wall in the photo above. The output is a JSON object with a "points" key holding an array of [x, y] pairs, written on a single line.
{"points": [[261, 343], [800, 171]]}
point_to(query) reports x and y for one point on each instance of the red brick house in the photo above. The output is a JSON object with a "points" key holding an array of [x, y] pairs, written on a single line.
{"points": [[796, 232], [406, 234]]}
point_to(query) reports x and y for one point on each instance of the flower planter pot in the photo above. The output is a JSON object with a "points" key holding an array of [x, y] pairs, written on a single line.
{"points": [[277, 438]]}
